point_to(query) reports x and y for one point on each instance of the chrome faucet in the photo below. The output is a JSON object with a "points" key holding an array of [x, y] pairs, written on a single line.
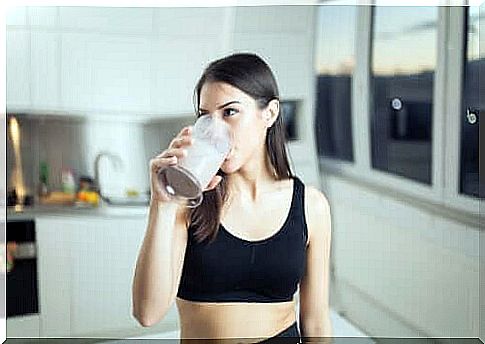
{"points": [[115, 160]]}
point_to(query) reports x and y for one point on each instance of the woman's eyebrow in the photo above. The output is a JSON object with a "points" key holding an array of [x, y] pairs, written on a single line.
{"points": [[223, 105]]}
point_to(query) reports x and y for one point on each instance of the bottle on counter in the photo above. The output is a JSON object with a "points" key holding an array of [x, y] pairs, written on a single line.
{"points": [[68, 182], [43, 190]]}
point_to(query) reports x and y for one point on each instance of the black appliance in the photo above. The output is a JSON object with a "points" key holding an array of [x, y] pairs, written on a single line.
{"points": [[22, 279]]}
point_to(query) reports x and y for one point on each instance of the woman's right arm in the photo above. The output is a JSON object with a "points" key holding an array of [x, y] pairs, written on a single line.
{"points": [[160, 260], [159, 264]]}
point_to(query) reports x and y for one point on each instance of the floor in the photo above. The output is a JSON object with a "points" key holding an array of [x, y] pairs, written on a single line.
{"points": [[341, 328]]}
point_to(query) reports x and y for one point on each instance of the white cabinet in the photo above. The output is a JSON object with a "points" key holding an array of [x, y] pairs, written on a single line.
{"points": [[189, 21], [105, 72], [282, 36], [120, 72], [177, 64], [103, 255], [43, 16], [288, 56], [186, 40], [145, 60], [86, 269], [18, 69], [45, 69], [120, 20], [16, 15], [54, 276], [272, 19], [75, 72]]}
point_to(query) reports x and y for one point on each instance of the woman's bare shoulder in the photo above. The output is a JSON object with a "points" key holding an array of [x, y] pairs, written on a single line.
{"points": [[317, 209], [316, 198]]}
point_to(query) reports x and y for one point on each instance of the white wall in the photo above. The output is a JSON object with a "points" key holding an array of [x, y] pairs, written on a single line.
{"points": [[124, 139]]}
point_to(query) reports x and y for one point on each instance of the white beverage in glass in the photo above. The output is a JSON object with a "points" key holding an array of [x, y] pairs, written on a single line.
{"points": [[187, 180]]}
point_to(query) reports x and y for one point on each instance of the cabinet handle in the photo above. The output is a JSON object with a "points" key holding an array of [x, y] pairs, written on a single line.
{"points": [[25, 250]]}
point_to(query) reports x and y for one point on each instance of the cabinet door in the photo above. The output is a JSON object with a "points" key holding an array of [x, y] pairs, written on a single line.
{"points": [[18, 69], [54, 277], [86, 269], [187, 40], [120, 72], [177, 64], [104, 255], [45, 70], [76, 83], [120, 20], [289, 56], [282, 36], [105, 73]]}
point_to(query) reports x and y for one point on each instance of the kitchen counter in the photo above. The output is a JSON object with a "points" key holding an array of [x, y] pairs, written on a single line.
{"points": [[54, 210]]}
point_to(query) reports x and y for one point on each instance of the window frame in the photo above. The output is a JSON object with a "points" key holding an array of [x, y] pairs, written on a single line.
{"points": [[445, 139], [457, 58]]}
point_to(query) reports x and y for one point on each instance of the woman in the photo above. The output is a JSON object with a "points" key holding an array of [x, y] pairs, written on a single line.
{"points": [[234, 263]]}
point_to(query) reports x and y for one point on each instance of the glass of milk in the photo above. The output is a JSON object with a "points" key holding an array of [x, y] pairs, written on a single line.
{"points": [[186, 181]]}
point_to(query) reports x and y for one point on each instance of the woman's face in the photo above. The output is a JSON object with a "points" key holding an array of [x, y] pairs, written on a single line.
{"points": [[245, 119]]}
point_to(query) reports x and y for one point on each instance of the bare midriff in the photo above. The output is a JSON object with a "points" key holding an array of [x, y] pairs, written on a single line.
{"points": [[238, 320]]}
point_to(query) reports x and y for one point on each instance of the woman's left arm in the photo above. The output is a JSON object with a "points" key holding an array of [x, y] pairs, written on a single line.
{"points": [[314, 286]]}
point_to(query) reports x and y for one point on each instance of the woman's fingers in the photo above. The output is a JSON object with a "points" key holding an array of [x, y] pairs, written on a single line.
{"points": [[168, 157], [157, 164], [182, 141], [178, 152], [185, 130]]}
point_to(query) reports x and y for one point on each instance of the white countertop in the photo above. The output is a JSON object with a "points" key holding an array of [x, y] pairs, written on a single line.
{"points": [[53, 210]]}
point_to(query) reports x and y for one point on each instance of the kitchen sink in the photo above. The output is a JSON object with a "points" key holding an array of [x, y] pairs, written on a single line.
{"points": [[120, 210], [119, 206], [126, 201]]}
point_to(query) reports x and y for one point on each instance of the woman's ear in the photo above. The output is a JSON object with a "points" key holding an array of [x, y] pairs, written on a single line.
{"points": [[271, 112]]}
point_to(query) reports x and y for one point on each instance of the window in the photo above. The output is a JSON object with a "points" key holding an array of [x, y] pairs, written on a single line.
{"points": [[404, 51], [472, 105], [334, 67]]}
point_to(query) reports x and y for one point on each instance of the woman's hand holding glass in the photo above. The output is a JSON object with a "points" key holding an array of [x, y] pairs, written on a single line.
{"points": [[176, 150]]}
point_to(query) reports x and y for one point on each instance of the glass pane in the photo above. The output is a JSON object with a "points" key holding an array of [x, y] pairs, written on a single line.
{"points": [[472, 105], [404, 46], [334, 66]]}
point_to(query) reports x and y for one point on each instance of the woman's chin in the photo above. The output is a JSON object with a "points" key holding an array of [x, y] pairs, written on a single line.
{"points": [[228, 166]]}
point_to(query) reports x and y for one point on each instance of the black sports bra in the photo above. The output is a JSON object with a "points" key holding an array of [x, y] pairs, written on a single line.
{"points": [[232, 269]]}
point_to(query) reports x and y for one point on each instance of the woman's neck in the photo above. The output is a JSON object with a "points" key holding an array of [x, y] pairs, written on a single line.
{"points": [[253, 179]]}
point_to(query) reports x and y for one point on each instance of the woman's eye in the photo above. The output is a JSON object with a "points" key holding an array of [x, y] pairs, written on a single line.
{"points": [[230, 112]]}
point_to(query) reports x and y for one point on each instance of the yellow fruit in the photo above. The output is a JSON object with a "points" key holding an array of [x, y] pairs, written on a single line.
{"points": [[92, 197], [132, 193]]}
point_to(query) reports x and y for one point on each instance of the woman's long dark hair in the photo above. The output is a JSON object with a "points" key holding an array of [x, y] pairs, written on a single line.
{"points": [[250, 74]]}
